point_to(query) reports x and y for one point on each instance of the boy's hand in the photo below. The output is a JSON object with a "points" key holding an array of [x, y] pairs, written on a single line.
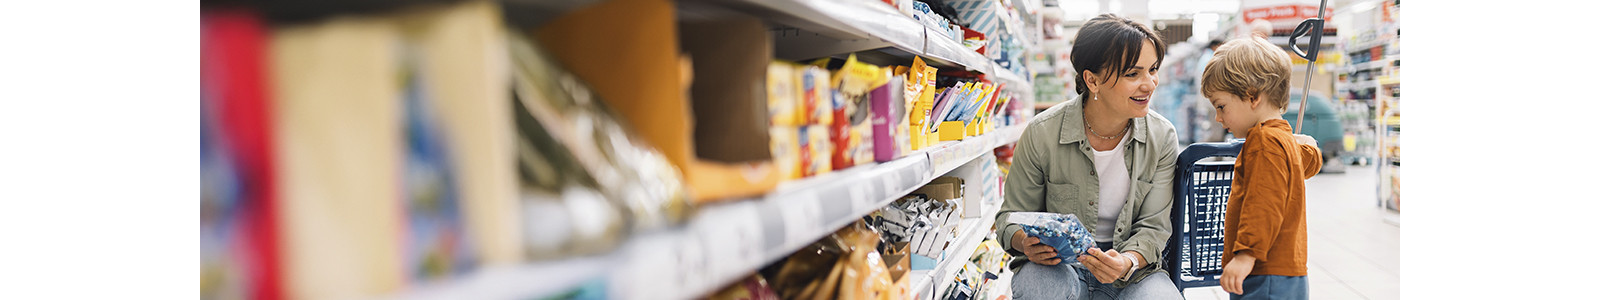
{"points": [[1305, 140], [1233, 274], [1107, 267], [1037, 252]]}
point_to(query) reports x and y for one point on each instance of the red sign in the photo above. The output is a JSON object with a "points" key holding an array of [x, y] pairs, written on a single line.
{"points": [[1284, 13]]}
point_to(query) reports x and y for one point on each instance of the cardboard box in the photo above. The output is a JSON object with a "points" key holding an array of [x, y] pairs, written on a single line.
{"points": [[719, 140], [943, 188], [952, 131]]}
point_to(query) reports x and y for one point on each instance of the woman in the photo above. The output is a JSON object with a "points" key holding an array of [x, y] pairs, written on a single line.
{"points": [[1104, 157]]}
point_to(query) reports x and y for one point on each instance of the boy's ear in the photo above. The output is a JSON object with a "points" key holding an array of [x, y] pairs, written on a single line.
{"points": [[1255, 101]]}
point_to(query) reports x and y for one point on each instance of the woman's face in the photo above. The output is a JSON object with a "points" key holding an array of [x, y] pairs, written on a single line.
{"points": [[1128, 94]]}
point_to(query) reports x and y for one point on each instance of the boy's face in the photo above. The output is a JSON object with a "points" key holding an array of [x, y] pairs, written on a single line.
{"points": [[1236, 114]]}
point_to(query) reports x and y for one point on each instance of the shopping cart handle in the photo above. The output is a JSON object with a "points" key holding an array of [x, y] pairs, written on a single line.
{"points": [[1312, 26], [1198, 151]]}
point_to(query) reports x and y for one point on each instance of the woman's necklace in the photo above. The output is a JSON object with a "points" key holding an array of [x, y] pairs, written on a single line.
{"points": [[1097, 134]]}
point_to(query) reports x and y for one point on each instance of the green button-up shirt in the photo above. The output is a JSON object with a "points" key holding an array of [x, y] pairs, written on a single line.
{"points": [[1053, 171]]}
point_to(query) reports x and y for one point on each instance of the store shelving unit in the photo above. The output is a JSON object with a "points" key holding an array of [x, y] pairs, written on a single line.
{"points": [[728, 241], [929, 284], [1368, 87], [833, 27]]}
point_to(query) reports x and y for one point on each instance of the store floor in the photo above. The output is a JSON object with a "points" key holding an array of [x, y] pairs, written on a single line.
{"points": [[1354, 245]]}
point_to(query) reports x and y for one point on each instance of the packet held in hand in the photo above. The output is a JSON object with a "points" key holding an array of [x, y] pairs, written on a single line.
{"points": [[1062, 231]]}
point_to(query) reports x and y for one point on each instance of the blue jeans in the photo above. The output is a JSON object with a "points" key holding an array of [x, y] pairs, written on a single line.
{"points": [[1273, 287], [1064, 281]]}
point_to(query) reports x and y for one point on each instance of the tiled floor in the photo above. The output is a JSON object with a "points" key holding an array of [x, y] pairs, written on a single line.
{"points": [[1354, 244]]}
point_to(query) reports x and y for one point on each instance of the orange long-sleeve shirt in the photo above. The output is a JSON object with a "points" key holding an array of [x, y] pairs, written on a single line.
{"points": [[1267, 208]]}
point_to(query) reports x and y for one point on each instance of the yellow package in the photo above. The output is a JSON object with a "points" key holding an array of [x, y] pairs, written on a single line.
{"points": [[857, 78], [785, 144], [783, 107], [815, 150]]}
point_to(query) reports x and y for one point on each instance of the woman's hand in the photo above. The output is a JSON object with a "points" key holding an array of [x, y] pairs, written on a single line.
{"points": [[1233, 274], [1107, 267], [1037, 252]]}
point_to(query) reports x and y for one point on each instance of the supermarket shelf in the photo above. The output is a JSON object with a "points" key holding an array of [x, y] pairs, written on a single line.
{"points": [[973, 232], [729, 241], [843, 20], [1365, 45], [1388, 80], [1368, 65], [512, 282], [1012, 79], [866, 24], [1364, 84]]}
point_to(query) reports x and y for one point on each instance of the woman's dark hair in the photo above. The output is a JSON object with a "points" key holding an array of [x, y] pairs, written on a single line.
{"points": [[1111, 42]]}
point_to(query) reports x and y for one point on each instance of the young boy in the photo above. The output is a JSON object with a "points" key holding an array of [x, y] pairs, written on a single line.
{"points": [[1264, 242]]}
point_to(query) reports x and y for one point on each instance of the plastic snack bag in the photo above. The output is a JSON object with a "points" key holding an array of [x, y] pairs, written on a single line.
{"points": [[1062, 231]]}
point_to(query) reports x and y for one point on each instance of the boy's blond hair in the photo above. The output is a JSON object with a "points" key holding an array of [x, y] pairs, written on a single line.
{"points": [[1249, 67]]}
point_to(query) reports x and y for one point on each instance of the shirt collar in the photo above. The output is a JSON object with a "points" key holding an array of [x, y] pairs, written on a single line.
{"points": [[1274, 123], [1072, 124]]}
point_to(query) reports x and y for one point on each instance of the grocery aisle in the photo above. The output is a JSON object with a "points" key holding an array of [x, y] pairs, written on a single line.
{"points": [[1354, 244], [792, 149]]}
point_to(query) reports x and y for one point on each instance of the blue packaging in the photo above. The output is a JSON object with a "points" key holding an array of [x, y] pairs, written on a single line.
{"points": [[1062, 231]]}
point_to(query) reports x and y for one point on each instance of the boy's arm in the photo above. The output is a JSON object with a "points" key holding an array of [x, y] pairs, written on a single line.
{"points": [[1024, 188], [1262, 205], [1311, 157]]}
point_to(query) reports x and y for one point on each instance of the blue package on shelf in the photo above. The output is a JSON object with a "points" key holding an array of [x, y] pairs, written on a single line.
{"points": [[1062, 231], [919, 262]]}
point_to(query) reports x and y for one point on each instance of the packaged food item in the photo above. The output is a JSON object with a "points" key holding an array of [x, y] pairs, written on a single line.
{"points": [[786, 150], [783, 94], [890, 139], [919, 101], [751, 288], [587, 178], [815, 150], [816, 95], [842, 265], [924, 219], [692, 89], [1062, 231], [851, 131], [238, 254], [437, 241]]}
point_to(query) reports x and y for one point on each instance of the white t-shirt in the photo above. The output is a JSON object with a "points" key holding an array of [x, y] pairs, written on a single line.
{"points": [[1115, 183]]}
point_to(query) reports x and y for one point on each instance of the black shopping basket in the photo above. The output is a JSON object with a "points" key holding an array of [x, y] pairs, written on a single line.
{"points": [[1199, 200]]}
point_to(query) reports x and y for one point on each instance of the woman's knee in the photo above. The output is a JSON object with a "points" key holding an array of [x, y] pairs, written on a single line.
{"points": [[1036, 281], [1156, 286]]}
